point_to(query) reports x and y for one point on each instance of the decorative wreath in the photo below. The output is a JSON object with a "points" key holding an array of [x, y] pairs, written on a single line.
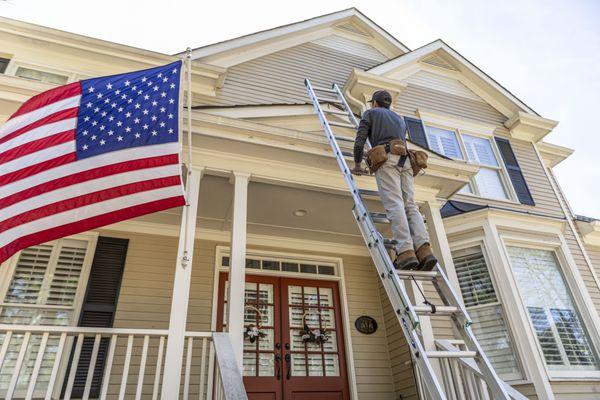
{"points": [[251, 331], [313, 335]]}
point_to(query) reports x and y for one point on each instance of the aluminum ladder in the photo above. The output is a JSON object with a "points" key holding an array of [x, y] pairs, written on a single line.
{"points": [[392, 279]]}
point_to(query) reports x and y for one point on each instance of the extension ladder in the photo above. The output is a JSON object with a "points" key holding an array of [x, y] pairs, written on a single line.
{"points": [[393, 280]]}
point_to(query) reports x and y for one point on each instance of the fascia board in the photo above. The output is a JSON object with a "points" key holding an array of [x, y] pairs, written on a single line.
{"points": [[553, 154]]}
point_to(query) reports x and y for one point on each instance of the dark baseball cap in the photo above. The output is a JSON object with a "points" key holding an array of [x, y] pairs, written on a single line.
{"points": [[382, 97]]}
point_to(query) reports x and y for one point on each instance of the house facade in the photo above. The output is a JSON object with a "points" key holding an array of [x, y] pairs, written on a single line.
{"points": [[118, 313]]}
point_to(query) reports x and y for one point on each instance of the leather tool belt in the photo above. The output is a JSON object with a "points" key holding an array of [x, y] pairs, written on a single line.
{"points": [[378, 155]]}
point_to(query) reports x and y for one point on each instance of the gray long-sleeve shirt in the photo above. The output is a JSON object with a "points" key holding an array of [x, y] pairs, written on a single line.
{"points": [[379, 125]]}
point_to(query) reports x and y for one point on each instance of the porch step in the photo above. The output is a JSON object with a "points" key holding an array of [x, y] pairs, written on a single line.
{"points": [[451, 354], [380, 218], [439, 310]]}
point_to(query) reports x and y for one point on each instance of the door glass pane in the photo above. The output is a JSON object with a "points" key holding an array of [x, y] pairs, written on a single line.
{"points": [[556, 321], [249, 364], [315, 365], [312, 318], [295, 294], [296, 340], [266, 293], [266, 342], [326, 297], [298, 365], [310, 296], [328, 318], [266, 364], [250, 292], [296, 314], [331, 344], [332, 365]]}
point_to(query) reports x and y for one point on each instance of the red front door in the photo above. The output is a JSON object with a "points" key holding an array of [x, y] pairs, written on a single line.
{"points": [[279, 364]]}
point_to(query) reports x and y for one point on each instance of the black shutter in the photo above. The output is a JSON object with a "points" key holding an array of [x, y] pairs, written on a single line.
{"points": [[416, 130], [99, 308], [514, 172]]}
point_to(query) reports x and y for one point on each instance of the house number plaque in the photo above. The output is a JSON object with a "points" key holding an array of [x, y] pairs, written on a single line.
{"points": [[366, 325]]}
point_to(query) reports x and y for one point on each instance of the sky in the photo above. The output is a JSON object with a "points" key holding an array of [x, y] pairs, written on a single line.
{"points": [[546, 52]]}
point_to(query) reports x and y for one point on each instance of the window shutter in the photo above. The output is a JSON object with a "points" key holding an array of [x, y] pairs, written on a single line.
{"points": [[475, 281], [514, 172], [99, 308], [416, 131]]}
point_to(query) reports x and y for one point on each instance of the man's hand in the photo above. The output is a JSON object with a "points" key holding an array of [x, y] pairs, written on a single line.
{"points": [[358, 170]]}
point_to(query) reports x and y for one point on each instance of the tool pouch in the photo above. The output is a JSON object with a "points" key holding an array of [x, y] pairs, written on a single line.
{"points": [[376, 157], [398, 147], [418, 160]]}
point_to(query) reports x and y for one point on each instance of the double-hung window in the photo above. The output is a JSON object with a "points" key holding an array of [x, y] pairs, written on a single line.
{"points": [[561, 335], [486, 311], [478, 150], [43, 288]]}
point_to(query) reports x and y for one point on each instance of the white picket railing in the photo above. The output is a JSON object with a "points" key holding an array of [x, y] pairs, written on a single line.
{"points": [[41, 362]]}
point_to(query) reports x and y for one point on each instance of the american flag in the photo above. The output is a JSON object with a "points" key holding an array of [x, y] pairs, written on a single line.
{"points": [[89, 154]]}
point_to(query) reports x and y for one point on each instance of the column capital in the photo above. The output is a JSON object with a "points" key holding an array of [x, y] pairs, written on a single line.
{"points": [[239, 175]]}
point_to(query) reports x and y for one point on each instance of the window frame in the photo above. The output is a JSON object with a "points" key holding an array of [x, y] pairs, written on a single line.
{"points": [[459, 132], [9, 266], [576, 288], [480, 242]]}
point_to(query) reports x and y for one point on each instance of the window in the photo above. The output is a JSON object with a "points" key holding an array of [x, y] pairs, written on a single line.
{"points": [[42, 291], [41, 76], [3, 64], [272, 264], [561, 335], [488, 181], [486, 311]]}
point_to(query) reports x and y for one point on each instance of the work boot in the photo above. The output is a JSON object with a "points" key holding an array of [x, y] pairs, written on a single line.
{"points": [[426, 258], [406, 261]]}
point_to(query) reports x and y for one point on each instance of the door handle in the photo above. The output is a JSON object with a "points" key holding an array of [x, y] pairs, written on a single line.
{"points": [[288, 360], [278, 365]]}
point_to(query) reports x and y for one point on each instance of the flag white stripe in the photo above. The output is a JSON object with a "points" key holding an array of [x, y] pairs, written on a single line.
{"points": [[94, 185], [86, 212], [101, 160], [38, 157], [25, 119], [39, 133]]}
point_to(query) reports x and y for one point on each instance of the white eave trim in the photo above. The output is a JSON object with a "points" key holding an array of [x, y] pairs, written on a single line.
{"points": [[590, 232], [553, 154], [292, 28]]}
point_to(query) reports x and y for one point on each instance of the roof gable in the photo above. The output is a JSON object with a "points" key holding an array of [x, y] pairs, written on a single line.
{"points": [[350, 22]]}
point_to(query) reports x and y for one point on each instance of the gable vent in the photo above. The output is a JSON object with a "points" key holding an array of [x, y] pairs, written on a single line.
{"points": [[438, 62], [350, 27]]}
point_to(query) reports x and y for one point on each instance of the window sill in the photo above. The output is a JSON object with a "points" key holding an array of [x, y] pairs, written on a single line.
{"points": [[580, 375]]}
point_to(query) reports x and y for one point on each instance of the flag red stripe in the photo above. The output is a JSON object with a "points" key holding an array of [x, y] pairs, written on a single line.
{"points": [[37, 145], [57, 116], [87, 199], [89, 223], [34, 169], [88, 175], [48, 97]]}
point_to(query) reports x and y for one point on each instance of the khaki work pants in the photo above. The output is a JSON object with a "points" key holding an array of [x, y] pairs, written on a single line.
{"points": [[396, 191]]}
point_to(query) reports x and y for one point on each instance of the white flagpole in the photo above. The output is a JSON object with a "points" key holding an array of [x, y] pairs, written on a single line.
{"points": [[185, 259]]}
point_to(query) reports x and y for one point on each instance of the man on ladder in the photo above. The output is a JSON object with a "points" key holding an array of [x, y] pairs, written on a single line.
{"points": [[386, 132]]}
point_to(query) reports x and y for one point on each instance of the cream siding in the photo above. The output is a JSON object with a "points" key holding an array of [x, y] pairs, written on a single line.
{"points": [[278, 78], [145, 301], [575, 390]]}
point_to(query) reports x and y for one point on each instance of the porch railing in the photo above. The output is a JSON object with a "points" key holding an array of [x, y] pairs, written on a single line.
{"points": [[52, 362], [462, 379]]}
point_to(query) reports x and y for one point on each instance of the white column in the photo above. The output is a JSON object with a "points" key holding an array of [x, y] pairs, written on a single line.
{"points": [[237, 264], [181, 290]]}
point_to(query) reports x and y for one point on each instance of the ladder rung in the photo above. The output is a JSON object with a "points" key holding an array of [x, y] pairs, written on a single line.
{"points": [[344, 138], [389, 243], [348, 154], [372, 193], [329, 100], [419, 275], [379, 218], [439, 310], [322, 89], [342, 124], [451, 354]]}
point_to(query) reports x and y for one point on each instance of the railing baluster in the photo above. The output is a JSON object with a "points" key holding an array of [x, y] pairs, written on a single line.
{"points": [[37, 366], [108, 366], [140, 383], [57, 358], [5, 344], [188, 367], [126, 367], [91, 367], [211, 371], [157, 373], [73, 366], [202, 369], [15, 376]]}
